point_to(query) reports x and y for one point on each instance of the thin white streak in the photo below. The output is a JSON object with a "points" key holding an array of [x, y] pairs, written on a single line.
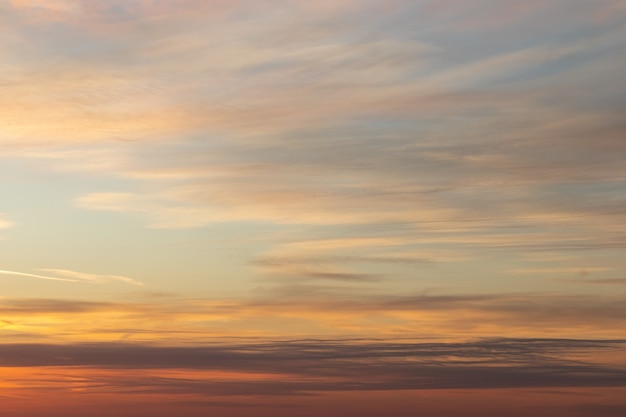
{"points": [[23, 274], [95, 278]]}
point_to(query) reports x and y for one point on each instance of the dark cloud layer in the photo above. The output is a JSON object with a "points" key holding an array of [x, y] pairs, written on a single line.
{"points": [[339, 365]]}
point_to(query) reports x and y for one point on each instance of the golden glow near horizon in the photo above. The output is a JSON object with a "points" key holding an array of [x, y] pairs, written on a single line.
{"points": [[312, 207]]}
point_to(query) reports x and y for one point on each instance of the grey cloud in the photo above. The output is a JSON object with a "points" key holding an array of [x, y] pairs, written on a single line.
{"points": [[237, 404], [597, 281], [273, 261], [595, 409], [345, 294], [52, 306], [362, 364], [338, 276]]}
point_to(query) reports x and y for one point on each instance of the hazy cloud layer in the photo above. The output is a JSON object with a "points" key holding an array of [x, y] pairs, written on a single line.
{"points": [[238, 118], [283, 175], [336, 365], [306, 310], [463, 128]]}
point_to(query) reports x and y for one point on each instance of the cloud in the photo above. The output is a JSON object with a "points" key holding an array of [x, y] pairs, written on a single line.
{"points": [[319, 306], [400, 157], [372, 144], [545, 271], [336, 275], [599, 281], [311, 265], [299, 116], [402, 258], [96, 278], [308, 366], [23, 274], [19, 307], [73, 276]]}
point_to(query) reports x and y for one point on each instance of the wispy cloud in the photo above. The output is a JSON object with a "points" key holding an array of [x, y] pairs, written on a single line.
{"points": [[321, 306], [338, 365], [446, 171], [27, 275], [73, 276], [598, 281], [81, 276], [547, 271]]}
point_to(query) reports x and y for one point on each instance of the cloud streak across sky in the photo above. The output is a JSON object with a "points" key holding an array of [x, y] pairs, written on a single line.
{"points": [[317, 178], [349, 365], [72, 276]]}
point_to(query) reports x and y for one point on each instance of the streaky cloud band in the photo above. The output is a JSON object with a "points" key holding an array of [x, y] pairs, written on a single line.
{"points": [[340, 365]]}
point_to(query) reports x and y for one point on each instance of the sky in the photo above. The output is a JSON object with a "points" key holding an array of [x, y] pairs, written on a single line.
{"points": [[292, 207]]}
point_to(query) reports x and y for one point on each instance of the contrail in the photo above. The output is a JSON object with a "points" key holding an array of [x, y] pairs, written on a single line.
{"points": [[23, 274], [93, 278]]}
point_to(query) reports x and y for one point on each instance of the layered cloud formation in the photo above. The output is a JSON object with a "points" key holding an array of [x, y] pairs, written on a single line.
{"points": [[325, 179]]}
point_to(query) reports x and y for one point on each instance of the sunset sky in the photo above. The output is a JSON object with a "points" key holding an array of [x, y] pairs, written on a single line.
{"points": [[309, 208]]}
